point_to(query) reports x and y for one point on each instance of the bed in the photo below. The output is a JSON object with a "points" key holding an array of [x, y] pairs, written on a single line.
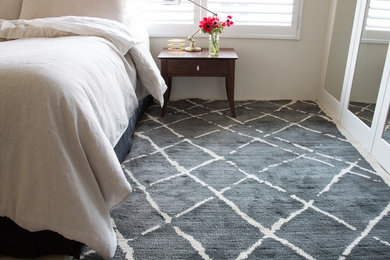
{"points": [[74, 78]]}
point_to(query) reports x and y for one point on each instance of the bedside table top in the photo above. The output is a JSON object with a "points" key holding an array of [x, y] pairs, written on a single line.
{"points": [[224, 53]]}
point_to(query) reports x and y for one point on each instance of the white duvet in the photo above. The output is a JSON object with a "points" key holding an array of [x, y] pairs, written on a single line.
{"points": [[64, 103]]}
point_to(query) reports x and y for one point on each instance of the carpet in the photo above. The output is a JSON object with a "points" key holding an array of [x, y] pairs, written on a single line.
{"points": [[279, 181]]}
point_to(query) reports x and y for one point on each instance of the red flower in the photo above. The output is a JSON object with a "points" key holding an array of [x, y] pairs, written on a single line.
{"points": [[212, 24], [206, 26]]}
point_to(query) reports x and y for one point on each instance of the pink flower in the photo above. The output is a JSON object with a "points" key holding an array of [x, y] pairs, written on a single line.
{"points": [[229, 22]]}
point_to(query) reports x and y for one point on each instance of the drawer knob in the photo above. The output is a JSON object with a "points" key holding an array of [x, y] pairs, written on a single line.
{"points": [[197, 68]]}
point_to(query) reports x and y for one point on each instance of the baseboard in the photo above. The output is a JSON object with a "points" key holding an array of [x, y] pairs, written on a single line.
{"points": [[330, 105]]}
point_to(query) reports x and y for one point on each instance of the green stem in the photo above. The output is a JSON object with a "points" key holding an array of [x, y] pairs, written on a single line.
{"points": [[214, 47]]}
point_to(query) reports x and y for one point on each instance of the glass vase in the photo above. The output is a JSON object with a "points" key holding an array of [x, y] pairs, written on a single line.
{"points": [[214, 44]]}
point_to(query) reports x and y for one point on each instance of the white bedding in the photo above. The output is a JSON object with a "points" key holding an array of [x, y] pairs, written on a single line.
{"points": [[64, 103]]}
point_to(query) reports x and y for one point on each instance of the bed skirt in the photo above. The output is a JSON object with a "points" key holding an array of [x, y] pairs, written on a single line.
{"points": [[125, 142], [18, 242]]}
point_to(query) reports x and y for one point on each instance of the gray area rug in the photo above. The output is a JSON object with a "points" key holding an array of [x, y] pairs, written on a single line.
{"points": [[277, 182]]}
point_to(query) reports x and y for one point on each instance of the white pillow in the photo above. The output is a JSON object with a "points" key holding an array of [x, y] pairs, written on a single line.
{"points": [[10, 9], [109, 9]]}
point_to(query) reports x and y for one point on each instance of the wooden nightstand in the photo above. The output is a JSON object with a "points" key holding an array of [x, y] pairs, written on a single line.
{"points": [[199, 64]]}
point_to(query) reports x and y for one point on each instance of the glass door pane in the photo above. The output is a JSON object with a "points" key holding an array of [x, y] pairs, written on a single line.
{"points": [[386, 130], [338, 54], [369, 66]]}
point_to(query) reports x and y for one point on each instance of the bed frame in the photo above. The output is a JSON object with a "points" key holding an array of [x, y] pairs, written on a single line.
{"points": [[18, 242]]}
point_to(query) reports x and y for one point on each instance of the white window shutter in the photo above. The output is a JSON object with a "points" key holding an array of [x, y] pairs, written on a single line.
{"points": [[167, 20], [378, 18], [377, 23], [156, 11], [252, 18], [255, 12]]}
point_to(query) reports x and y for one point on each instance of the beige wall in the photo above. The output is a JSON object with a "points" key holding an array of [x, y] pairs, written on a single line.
{"points": [[267, 69]]}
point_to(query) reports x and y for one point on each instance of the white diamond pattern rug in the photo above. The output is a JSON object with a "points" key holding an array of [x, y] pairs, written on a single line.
{"points": [[279, 181]]}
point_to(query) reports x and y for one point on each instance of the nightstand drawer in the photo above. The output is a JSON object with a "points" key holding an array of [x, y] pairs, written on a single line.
{"points": [[198, 67]]}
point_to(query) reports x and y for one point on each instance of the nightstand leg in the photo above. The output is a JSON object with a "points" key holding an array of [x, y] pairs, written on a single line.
{"points": [[229, 81], [167, 94], [230, 95], [168, 81]]}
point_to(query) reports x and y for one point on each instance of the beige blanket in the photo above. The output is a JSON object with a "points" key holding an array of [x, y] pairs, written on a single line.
{"points": [[64, 103]]}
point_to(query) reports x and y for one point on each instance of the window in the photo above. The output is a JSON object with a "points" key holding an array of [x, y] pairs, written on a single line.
{"points": [[252, 18], [377, 23]]}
